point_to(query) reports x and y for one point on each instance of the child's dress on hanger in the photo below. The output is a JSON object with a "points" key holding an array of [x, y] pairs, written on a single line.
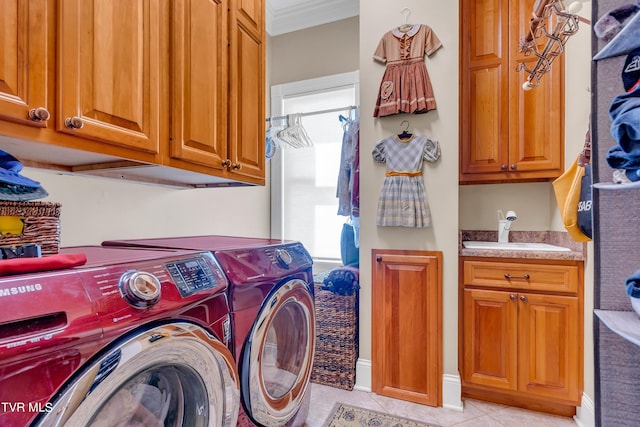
{"points": [[402, 199], [405, 85]]}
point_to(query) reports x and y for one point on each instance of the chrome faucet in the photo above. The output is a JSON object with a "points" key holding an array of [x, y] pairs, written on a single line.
{"points": [[504, 224]]}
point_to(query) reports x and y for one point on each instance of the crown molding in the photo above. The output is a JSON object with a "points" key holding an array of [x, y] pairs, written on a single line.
{"points": [[298, 15]]}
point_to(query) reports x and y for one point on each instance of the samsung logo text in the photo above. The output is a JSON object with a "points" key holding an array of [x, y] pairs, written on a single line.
{"points": [[16, 290]]}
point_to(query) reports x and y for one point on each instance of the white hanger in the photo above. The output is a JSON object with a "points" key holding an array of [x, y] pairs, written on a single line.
{"points": [[406, 26]]}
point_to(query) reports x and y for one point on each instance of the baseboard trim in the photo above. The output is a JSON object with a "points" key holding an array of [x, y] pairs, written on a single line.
{"points": [[363, 375], [451, 386], [452, 392], [585, 413]]}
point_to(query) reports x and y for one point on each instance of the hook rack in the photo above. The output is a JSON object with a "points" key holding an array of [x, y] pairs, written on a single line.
{"points": [[551, 26]]}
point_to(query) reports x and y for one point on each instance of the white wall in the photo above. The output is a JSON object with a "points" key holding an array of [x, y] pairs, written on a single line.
{"points": [[96, 209], [440, 178]]}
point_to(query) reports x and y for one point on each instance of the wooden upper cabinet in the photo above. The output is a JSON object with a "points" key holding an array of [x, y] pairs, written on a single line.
{"points": [[111, 71], [247, 87], [507, 133], [199, 82], [26, 61]]}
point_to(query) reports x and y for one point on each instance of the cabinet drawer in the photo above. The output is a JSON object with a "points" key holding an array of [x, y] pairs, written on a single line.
{"points": [[532, 277]]}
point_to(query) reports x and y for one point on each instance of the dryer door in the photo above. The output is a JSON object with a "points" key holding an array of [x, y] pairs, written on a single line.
{"points": [[174, 374], [277, 357]]}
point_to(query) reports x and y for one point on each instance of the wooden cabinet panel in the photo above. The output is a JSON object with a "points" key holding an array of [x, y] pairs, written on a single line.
{"points": [[522, 276], [199, 82], [507, 133], [491, 338], [407, 325], [247, 103], [111, 66], [168, 92], [521, 339], [26, 59], [550, 346]]}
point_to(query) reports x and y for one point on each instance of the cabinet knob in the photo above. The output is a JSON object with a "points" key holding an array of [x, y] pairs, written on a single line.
{"points": [[512, 297], [236, 166], [523, 298], [514, 167], [74, 122], [226, 163], [503, 167], [39, 114], [379, 258]]}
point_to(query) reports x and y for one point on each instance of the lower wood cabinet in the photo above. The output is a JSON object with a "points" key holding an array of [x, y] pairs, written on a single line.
{"points": [[521, 336], [407, 325]]}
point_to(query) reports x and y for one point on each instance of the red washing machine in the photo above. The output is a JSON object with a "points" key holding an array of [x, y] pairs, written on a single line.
{"points": [[133, 337], [273, 320]]}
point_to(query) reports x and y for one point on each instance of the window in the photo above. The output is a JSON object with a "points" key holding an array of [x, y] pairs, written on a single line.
{"points": [[303, 180]]}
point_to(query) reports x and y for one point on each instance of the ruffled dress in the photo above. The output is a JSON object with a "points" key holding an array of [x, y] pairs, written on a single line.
{"points": [[402, 200], [405, 85]]}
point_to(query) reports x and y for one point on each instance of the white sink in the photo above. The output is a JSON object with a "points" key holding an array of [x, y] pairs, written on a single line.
{"points": [[514, 246]]}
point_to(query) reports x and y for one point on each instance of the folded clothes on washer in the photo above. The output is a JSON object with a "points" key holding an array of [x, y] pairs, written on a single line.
{"points": [[30, 265]]}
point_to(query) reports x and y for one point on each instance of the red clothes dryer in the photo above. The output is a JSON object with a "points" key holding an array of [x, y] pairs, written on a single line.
{"points": [[133, 337], [273, 320]]}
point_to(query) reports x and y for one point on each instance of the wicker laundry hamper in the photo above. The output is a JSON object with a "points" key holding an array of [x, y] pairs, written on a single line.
{"points": [[336, 336], [41, 225]]}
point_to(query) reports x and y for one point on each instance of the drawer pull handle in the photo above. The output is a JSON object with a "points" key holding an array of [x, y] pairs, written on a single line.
{"points": [[509, 277]]}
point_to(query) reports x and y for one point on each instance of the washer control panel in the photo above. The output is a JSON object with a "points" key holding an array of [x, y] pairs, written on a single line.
{"points": [[193, 275]]}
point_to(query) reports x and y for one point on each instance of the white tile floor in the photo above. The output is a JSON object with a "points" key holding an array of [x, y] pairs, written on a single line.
{"points": [[476, 413]]}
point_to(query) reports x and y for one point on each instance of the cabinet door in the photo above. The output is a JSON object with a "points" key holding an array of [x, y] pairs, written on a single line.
{"points": [[247, 91], [112, 67], [536, 116], [199, 82], [490, 339], [484, 114], [550, 346], [25, 61], [407, 325], [507, 133]]}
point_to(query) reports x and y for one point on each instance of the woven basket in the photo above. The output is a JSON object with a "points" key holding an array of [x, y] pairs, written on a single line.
{"points": [[41, 225], [336, 339]]}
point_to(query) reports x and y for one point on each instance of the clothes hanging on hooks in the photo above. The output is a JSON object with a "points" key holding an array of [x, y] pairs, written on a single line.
{"points": [[348, 186], [405, 86], [402, 200]]}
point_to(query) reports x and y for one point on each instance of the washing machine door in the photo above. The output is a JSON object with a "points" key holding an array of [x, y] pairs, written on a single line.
{"points": [[277, 357], [175, 374]]}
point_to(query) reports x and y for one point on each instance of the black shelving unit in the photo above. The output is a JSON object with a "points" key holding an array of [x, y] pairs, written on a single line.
{"points": [[616, 213]]}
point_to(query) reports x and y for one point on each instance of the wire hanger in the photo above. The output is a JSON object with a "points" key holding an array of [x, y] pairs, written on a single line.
{"points": [[406, 26], [405, 133]]}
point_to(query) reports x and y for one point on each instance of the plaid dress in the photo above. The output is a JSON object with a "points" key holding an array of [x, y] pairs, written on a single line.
{"points": [[402, 199]]}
